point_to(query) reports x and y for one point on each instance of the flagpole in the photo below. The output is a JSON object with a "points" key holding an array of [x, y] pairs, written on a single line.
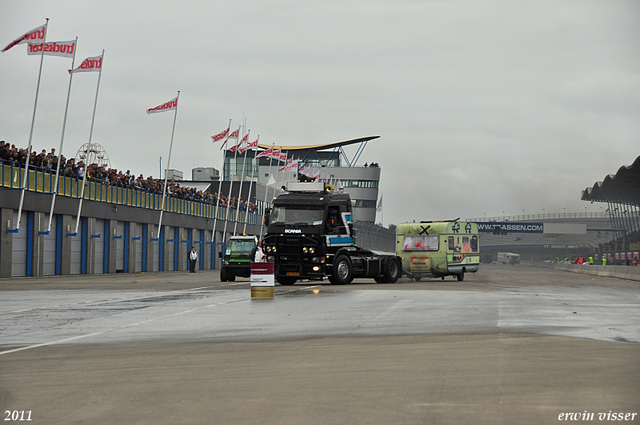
{"points": [[253, 172], [86, 166], [278, 169], [266, 194], [33, 121], [64, 124], [217, 206], [244, 165], [166, 171], [226, 219]]}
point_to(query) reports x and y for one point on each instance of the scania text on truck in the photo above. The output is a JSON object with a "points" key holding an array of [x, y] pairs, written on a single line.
{"points": [[310, 236], [438, 248]]}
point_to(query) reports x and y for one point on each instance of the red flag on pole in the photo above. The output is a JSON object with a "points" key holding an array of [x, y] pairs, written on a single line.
{"points": [[89, 65], [36, 35], [172, 104]]}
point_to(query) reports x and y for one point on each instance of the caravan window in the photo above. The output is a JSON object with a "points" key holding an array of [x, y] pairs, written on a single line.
{"points": [[474, 244], [421, 243]]}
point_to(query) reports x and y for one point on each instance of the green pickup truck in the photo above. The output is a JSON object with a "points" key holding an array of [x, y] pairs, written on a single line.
{"points": [[237, 258]]}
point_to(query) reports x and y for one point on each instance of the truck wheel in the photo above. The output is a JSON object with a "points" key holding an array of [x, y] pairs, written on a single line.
{"points": [[342, 272], [393, 271], [231, 277], [287, 280], [460, 276], [223, 275]]}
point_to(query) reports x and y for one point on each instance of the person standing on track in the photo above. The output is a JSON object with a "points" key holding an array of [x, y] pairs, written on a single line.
{"points": [[193, 257]]}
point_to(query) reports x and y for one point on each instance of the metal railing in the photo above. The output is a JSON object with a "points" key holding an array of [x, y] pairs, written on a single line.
{"points": [[43, 181]]}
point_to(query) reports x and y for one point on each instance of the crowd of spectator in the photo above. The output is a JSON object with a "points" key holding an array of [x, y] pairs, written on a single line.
{"points": [[49, 162]]}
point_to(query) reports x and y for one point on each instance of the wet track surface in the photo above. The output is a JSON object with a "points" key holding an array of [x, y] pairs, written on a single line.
{"points": [[226, 313], [510, 345]]}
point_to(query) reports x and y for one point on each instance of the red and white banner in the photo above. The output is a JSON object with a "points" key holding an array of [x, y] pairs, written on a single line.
{"points": [[266, 152], [220, 136], [36, 35], [235, 134], [233, 148], [64, 49], [172, 104], [89, 65], [250, 145], [290, 166]]}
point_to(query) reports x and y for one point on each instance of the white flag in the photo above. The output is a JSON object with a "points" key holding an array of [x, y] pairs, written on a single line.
{"points": [[89, 64], [172, 104], [64, 49], [379, 208], [34, 36]]}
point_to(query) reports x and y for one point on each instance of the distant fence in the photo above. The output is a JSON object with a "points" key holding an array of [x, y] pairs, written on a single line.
{"points": [[621, 272], [375, 237], [545, 216]]}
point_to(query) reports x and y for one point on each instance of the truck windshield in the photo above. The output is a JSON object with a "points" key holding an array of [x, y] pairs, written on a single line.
{"points": [[296, 215], [240, 247]]}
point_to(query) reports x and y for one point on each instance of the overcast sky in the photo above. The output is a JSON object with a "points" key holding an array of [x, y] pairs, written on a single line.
{"points": [[481, 106]]}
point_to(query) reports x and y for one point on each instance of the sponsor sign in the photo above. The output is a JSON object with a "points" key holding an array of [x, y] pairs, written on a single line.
{"points": [[507, 227], [64, 49], [262, 281]]}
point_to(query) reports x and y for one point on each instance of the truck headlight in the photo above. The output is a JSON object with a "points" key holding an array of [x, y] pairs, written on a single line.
{"points": [[304, 250]]}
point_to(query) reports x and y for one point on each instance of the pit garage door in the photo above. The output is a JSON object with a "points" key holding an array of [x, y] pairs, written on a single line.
{"points": [[19, 254], [50, 247], [97, 240]]}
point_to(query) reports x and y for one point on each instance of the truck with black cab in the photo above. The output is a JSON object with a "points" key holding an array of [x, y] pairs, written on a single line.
{"points": [[310, 236]]}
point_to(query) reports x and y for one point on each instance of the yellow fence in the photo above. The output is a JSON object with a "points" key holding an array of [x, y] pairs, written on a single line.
{"points": [[44, 182]]}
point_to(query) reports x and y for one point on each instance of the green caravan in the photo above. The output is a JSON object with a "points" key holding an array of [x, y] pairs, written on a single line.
{"points": [[438, 249]]}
